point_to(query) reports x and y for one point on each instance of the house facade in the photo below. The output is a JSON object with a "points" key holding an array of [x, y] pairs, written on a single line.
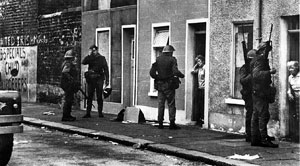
{"points": [[184, 25], [232, 22], [111, 25]]}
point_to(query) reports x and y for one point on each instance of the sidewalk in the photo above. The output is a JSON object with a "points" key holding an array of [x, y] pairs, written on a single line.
{"points": [[191, 142]]}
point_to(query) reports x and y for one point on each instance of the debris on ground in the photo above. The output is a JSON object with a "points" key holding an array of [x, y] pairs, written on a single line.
{"points": [[114, 143], [244, 157], [48, 113]]}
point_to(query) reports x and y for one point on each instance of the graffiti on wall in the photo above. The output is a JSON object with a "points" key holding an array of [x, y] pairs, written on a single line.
{"points": [[67, 38], [24, 60]]}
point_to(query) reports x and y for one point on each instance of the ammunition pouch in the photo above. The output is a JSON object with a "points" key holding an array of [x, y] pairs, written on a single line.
{"points": [[174, 83]]}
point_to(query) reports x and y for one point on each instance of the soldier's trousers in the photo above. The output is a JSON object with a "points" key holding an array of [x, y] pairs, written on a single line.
{"points": [[68, 102], [169, 96], [249, 112], [92, 86], [260, 119]]}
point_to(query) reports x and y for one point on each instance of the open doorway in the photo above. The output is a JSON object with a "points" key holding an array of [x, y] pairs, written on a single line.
{"points": [[293, 55], [128, 65], [196, 59]]}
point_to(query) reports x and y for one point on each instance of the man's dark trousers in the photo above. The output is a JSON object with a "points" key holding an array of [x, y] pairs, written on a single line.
{"points": [[169, 95], [249, 112], [92, 85], [67, 107], [260, 119]]}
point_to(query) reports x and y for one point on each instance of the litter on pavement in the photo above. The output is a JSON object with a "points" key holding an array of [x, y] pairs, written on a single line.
{"points": [[48, 113], [244, 157]]}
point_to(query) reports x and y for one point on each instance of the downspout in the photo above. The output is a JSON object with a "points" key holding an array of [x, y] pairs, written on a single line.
{"points": [[258, 19]]}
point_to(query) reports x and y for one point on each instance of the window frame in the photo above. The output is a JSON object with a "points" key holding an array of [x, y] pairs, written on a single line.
{"points": [[235, 26], [155, 28]]}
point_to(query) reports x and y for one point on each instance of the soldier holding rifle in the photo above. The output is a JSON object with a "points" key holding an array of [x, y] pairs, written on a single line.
{"points": [[262, 95]]}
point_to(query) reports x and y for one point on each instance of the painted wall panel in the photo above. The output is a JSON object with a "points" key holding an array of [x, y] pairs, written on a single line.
{"points": [[24, 59]]}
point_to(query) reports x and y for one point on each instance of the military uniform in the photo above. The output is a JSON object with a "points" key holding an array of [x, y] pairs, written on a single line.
{"points": [[97, 73], [69, 85], [163, 70], [261, 80], [246, 82], [247, 97]]}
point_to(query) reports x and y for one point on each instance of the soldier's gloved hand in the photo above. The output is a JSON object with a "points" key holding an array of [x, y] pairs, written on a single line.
{"points": [[268, 47], [272, 71]]}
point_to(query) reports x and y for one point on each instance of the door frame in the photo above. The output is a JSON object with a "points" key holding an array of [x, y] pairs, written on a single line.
{"points": [[109, 47], [133, 87], [189, 63]]}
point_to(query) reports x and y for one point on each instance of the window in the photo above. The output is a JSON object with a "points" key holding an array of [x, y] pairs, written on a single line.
{"points": [[242, 32], [293, 33], [160, 38]]}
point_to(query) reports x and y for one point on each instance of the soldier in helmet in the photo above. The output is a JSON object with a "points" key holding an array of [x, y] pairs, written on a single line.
{"points": [[163, 70], [69, 84], [261, 80], [95, 76], [246, 91]]}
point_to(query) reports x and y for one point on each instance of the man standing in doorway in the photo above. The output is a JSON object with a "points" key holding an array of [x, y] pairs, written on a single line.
{"points": [[163, 71], [95, 76]]}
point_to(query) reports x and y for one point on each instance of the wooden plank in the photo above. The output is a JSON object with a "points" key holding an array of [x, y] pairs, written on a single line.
{"points": [[11, 129], [11, 118]]}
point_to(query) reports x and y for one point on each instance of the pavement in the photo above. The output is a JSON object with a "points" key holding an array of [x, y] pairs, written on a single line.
{"points": [[190, 142]]}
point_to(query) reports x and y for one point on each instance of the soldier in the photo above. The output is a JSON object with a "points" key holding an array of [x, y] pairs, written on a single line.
{"points": [[163, 70], [95, 76], [69, 84], [246, 92], [261, 80]]}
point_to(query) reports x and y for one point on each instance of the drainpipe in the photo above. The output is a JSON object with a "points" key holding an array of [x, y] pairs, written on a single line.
{"points": [[258, 19]]}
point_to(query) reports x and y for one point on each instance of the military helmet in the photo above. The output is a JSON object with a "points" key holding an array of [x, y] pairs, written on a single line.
{"points": [[251, 54], [168, 48], [69, 54], [106, 92]]}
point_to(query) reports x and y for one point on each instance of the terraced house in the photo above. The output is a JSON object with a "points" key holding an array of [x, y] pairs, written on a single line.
{"points": [[132, 33]]}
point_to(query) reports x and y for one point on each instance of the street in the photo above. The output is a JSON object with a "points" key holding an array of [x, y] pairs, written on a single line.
{"points": [[43, 147]]}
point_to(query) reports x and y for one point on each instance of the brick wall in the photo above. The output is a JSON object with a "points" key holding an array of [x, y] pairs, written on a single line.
{"points": [[62, 31], [55, 30], [18, 22]]}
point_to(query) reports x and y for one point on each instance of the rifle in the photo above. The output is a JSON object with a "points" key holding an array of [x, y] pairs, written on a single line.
{"points": [[85, 96], [269, 43], [245, 51]]}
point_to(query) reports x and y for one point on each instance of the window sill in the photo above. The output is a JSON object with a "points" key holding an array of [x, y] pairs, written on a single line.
{"points": [[152, 94], [234, 101]]}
